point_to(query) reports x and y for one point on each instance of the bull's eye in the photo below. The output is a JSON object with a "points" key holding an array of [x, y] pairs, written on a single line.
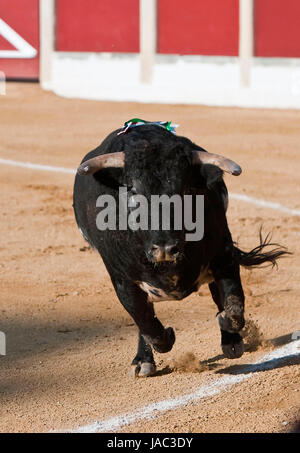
{"points": [[131, 190]]}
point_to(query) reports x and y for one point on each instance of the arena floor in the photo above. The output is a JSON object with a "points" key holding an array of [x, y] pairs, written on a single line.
{"points": [[70, 342]]}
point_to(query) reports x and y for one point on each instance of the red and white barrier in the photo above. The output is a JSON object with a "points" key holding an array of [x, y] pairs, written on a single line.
{"points": [[19, 38], [209, 52]]}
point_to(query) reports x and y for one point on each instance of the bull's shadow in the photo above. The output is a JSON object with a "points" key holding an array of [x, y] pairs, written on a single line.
{"points": [[35, 348], [27, 338], [272, 364]]}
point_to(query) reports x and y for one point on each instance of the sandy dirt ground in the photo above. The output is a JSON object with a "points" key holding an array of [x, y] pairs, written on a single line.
{"points": [[69, 340]]}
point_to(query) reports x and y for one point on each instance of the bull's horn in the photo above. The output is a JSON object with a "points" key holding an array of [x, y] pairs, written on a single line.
{"points": [[91, 166], [203, 157]]}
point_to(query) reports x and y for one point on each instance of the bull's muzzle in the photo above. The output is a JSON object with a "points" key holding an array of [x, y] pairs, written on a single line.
{"points": [[161, 253]]}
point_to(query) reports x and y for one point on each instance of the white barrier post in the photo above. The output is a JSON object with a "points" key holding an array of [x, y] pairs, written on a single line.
{"points": [[2, 84], [47, 40], [246, 41], [148, 32], [2, 343]]}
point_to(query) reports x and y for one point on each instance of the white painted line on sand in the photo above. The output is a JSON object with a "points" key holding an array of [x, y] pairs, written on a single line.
{"points": [[265, 204], [234, 196], [267, 362], [40, 167]]}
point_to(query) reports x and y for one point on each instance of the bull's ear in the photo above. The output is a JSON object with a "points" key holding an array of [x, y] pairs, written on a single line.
{"points": [[111, 177], [91, 166], [211, 174]]}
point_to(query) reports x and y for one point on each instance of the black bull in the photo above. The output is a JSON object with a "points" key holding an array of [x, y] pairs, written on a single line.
{"points": [[146, 265]]}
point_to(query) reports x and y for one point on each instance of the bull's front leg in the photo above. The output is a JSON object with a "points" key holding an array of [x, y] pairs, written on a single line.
{"points": [[143, 364], [228, 294], [151, 331]]}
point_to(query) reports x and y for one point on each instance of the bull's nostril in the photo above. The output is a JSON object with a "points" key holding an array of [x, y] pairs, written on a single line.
{"points": [[173, 250], [156, 253], [153, 248], [163, 252]]}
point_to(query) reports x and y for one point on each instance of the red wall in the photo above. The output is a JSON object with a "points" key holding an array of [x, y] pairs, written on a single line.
{"points": [[201, 27], [206, 27], [195, 27], [98, 25], [23, 17], [277, 25]]}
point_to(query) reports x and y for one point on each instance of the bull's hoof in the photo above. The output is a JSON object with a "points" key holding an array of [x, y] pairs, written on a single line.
{"points": [[165, 343], [233, 351], [142, 369], [232, 345]]}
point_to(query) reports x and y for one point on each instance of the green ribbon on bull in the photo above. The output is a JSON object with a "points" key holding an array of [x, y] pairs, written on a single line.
{"points": [[134, 122]]}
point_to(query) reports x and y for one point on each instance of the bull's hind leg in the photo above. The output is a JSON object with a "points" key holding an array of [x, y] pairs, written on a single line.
{"points": [[151, 331], [228, 294]]}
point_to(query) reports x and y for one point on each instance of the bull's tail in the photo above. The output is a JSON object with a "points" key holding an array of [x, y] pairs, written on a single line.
{"points": [[258, 256]]}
